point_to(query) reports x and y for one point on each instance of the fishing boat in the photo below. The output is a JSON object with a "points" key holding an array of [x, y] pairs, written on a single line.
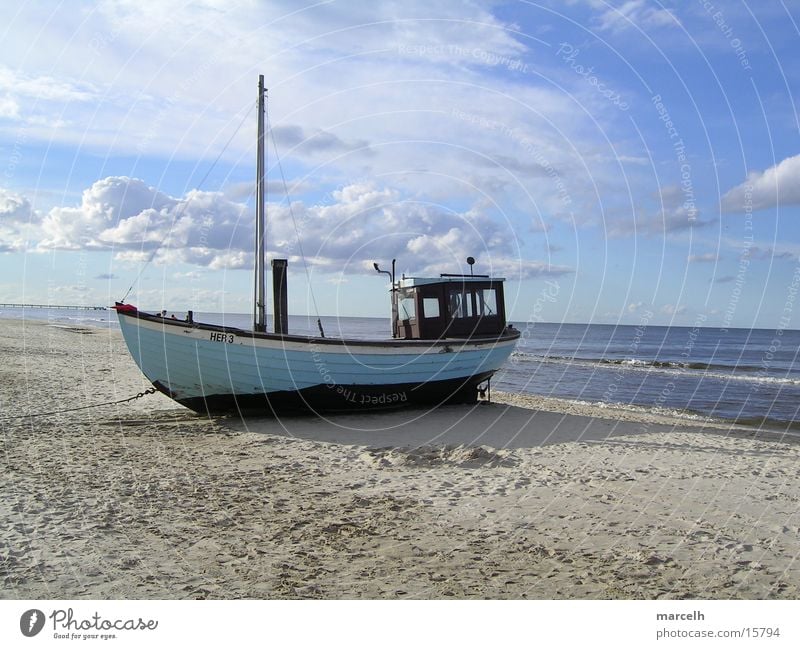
{"points": [[449, 336]]}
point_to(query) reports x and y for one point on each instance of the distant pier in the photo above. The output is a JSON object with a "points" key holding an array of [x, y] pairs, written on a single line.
{"points": [[9, 305]]}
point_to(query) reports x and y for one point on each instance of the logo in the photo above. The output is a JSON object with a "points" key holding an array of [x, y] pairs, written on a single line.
{"points": [[31, 622]]}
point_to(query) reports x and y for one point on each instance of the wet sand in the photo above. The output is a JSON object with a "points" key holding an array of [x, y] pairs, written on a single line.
{"points": [[522, 498]]}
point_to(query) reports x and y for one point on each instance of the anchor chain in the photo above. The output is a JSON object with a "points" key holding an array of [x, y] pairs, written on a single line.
{"points": [[94, 405]]}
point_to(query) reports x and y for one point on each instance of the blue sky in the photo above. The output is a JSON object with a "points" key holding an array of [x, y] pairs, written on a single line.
{"points": [[617, 161]]}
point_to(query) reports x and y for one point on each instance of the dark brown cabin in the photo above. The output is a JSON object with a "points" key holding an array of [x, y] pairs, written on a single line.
{"points": [[450, 307]]}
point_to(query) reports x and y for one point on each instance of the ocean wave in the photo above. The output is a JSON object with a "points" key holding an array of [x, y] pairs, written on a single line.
{"points": [[719, 371], [655, 410], [764, 423], [680, 365], [791, 428]]}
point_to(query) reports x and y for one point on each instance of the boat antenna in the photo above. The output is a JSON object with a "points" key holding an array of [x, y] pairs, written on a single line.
{"points": [[296, 230]]}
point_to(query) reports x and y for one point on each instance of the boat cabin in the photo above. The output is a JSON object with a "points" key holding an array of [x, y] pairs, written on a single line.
{"points": [[450, 306]]}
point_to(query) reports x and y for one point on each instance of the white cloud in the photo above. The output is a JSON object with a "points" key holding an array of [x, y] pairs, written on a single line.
{"points": [[17, 221], [355, 90], [677, 219], [290, 138], [704, 258], [672, 309], [9, 108], [672, 216], [42, 87], [770, 253], [155, 70], [113, 203], [363, 222], [133, 219], [412, 95], [778, 185], [14, 208], [39, 101], [132, 256], [378, 224], [675, 214], [634, 13]]}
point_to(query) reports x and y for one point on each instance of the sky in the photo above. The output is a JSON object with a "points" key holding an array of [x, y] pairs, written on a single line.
{"points": [[618, 161]]}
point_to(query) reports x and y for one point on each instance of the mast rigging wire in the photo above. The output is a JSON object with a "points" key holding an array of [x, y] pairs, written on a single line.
{"points": [[185, 204], [296, 229]]}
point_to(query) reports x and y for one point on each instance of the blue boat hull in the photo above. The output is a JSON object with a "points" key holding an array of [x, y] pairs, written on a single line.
{"points": [[216, 369]]}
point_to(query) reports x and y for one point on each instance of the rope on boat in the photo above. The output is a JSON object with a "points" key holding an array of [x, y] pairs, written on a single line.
{"points": [[296, 230], [94, 405]]}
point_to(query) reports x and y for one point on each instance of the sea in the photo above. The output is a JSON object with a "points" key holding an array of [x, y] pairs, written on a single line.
{"points": [[747, 376]]}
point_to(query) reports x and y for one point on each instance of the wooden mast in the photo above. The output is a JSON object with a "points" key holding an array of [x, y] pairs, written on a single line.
{"points": [[259, 300]]}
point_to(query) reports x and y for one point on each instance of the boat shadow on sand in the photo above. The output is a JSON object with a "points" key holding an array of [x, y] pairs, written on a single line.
{"points": [[494, 425]]}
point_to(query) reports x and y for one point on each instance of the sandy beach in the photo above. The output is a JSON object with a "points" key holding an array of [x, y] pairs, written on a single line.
{"points": [[522, 498]]}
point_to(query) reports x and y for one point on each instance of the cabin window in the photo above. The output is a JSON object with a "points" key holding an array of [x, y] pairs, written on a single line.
{"points": [[474, 302], [460, 303], [487, 302], [430, 307], [405, 307]]}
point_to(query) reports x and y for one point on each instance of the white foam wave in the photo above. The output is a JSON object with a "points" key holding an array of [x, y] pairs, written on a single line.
{"points": [[662, 367]]}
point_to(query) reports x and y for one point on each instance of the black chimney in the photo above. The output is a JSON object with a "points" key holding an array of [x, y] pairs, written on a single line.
{"points": [[281, 310]]}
